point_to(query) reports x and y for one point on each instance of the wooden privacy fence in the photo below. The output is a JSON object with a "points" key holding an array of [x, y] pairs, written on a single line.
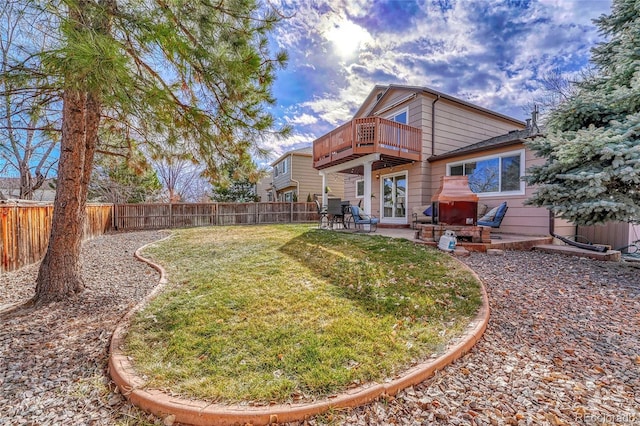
{"points": [[157, 216], [24, 231], [25, 228]]}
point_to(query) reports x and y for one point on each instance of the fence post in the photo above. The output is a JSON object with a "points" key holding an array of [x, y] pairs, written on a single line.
{"points": [[256, 211], [215, 218], [291, 213]]}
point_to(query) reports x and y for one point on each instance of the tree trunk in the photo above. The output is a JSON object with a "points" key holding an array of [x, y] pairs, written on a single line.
{"points": [[59, 276]]}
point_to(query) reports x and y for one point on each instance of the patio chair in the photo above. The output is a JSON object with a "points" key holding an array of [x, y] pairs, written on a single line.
{"points": [[360, 219], [335, 211], [493, 218]]}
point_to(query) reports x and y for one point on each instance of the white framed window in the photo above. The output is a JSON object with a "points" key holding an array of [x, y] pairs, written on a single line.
{"points": [[284, 165], [275, 170], [401, 116], [288, 196], [494, 174], [360, 188]]}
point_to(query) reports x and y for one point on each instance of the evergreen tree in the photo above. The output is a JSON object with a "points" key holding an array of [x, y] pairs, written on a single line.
{"points": [[118, 179], [195, 72], [238, 183], [592, 149]]}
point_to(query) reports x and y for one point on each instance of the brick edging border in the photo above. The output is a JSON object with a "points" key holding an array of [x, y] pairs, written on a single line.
{"points": [[201, 413]]}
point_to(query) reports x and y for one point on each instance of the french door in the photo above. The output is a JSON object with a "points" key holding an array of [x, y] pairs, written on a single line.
{"points": [[394, 198]]}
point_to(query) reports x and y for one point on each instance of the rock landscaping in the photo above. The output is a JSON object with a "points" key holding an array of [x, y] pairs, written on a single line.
{"points": [[562, 347]]}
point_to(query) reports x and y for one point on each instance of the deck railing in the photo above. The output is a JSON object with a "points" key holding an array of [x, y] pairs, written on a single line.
{"points": [[367, 135]]}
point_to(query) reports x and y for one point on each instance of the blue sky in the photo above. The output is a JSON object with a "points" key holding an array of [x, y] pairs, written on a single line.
{"points": [[491, 53]]}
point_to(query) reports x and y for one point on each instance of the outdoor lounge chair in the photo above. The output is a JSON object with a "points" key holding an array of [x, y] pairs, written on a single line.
{"points": [[494, 217], [360, 219]]}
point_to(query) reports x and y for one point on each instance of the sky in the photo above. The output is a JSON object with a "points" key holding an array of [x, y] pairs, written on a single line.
{"points": [[490, 53]]}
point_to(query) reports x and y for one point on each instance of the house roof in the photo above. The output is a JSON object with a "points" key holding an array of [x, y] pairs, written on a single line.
{"points": [[512, 138], [307, 151], [423, 89]]}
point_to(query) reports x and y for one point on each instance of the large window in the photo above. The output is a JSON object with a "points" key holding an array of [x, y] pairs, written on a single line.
{"points": [[494, 174]]}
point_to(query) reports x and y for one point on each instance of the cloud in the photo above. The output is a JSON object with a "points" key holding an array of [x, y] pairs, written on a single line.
{"points": [[492, 53], [304, 119], [277, 146]]}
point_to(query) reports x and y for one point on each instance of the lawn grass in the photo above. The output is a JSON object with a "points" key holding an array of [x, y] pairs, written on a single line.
{"points": [[286, 312]]}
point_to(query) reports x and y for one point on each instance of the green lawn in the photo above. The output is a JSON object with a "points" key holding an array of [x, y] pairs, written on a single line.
{"points": [[287, 312]]}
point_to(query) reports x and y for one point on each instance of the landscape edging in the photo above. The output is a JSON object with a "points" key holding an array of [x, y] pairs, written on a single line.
{"points": [[201, 413]]}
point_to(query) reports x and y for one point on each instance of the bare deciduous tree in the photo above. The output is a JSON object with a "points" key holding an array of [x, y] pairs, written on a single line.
{"points": [[29, 110]]}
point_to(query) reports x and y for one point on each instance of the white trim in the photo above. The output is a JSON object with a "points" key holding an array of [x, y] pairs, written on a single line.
{"points": [[513, 153], [352, 164], [395, 220], [398, 112], [396, 104]]}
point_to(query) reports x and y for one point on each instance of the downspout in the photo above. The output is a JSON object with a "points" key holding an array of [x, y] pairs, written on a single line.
{"points": [[293, 180], [433, 125]]}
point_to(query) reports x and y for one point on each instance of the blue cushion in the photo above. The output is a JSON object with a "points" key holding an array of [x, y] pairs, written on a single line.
{"points": [[501, 210], [428, 211]]}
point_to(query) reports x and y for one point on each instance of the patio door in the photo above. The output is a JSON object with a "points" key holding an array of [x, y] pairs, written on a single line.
{"points": [[394, 198]]}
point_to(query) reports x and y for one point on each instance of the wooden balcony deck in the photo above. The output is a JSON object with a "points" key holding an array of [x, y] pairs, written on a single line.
{"points": [[398, 143]]}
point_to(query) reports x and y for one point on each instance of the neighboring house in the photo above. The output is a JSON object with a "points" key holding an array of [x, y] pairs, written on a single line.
{"points": [[10, 189], [295, 179], [404, 138], [263, 188]]}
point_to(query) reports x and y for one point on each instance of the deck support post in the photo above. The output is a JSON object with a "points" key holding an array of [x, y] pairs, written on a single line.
{"points": [[325, 194]]}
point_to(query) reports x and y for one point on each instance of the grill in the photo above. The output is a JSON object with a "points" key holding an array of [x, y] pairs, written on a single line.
{"points": [[455, 203]]}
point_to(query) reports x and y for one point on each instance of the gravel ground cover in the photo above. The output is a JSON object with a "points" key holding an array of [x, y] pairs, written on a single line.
{"points": [[562, 347], [53, 360]]}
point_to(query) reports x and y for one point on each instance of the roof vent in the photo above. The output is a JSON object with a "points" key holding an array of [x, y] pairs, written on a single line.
{"points": [[378, 96]]}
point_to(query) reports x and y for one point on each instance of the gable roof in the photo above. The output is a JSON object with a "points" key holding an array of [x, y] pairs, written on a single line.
{"points": [[384, 90], [512, 138], [307, 151]]}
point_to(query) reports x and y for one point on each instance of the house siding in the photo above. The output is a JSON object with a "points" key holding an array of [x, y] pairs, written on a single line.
{"points": [[520, 219], [456, 126], [302, 178], [615, 234]]}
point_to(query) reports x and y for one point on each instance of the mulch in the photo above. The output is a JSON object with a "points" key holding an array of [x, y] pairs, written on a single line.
{"points": [[562, 347]]}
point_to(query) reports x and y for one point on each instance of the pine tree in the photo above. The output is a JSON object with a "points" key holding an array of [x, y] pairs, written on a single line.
{"points": [[157, 72], [592, 149]]}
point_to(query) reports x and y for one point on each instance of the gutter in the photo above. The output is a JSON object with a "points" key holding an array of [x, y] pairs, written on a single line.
{"points": [[433, 125], [293, 180], [475, 150]]}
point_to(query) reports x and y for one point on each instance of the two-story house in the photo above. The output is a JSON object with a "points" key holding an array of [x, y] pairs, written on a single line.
{"points": [[295, 179], [404, 138]]}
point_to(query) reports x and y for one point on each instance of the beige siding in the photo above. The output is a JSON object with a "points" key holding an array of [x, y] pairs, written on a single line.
{"points": [[310, 181], [520, 219], [282, 180], [391, 98], [263, 186], [615, 234], [458, 126]]}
